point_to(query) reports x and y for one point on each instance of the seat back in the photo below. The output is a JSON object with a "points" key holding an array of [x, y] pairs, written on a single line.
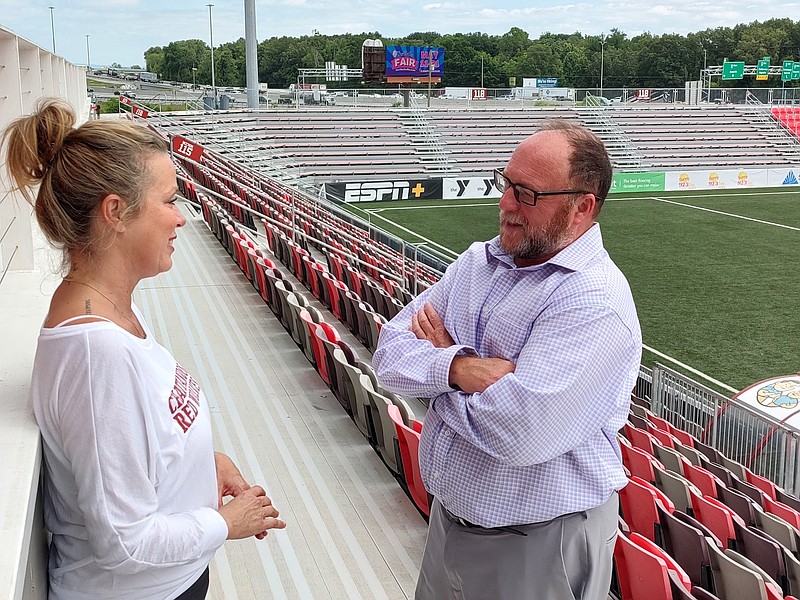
{"points": [[408, 438], [346, 393], [381, 431], [733, 581], [329, 341], [773, 590], [310, 331], [640, 438], [641, 574], [779, 509], [704, 480], [687, 545], [671, 459], [360, 401], [788, 536], [676, 488], [717, 517], [296, 323], [738, 503], [765, 553], [638, 502], [638, 462]]}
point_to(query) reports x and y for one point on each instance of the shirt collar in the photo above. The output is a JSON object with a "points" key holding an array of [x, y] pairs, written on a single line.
{"points": [[573, 258]]}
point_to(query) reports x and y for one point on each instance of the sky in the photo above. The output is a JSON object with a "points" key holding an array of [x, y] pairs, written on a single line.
{"points": [[121, 30]]}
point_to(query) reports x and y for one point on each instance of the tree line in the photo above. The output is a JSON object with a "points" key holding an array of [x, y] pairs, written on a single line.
{"points": [[646, 60]]}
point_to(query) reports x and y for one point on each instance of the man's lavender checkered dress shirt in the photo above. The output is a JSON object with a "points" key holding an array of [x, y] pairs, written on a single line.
{"points": [[540, 442]]}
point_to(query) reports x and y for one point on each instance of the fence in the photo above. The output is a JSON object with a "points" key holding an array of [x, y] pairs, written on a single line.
{"points": [[764, 445]]}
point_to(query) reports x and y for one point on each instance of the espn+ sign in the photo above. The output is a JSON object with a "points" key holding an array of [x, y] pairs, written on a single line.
{"points": [[377, 191]]}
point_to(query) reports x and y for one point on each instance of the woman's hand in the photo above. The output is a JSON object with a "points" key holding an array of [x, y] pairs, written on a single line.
{"points": [[229, 479], [250, 513]]}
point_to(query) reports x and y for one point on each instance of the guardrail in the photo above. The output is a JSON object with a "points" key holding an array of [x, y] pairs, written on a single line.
{"points": [[765, 445]]}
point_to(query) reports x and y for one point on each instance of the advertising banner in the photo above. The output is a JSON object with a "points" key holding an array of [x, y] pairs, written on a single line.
{"points": [[783, 177], [777, 397], [413, 61], [377, 191], [184, 147], [726, 179], [637, 182], [469, 188]]}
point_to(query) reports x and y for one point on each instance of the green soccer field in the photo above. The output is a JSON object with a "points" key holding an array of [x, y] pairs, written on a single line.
{"points": [[715, 275]]}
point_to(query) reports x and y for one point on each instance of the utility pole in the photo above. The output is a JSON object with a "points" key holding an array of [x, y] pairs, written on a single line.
{"points": [[602, 59], [88, 59], [53, 27]]}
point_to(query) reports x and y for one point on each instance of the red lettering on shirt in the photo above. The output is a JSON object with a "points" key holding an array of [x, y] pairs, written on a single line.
{"points": [[184, 400]]}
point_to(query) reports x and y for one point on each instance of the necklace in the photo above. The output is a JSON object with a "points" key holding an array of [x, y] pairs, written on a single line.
{"points": [[139, 331]]}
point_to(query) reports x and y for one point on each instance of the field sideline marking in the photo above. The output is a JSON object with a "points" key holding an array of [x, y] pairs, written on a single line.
{"points": [[379, 210], [688, 368], [719, 212]]}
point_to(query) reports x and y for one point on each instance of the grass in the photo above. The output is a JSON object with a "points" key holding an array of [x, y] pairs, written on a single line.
{"points": [[714, 291]]}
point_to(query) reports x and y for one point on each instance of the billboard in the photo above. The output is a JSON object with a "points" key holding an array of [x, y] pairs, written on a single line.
{"points": [[637, 182], [413, 61], [377, 191]]}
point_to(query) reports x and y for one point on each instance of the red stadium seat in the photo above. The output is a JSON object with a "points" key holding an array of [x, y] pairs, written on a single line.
{"points": [[408, 438]]}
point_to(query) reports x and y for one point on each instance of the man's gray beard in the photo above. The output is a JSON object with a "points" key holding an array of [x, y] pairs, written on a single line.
{"points": [[543, 241]]}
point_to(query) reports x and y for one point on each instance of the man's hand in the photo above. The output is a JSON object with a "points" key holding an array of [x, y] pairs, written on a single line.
{"points": [[428, 325], [229, 479], [473, 374]]}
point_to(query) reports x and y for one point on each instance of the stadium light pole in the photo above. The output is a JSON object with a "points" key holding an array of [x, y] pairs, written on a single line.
{"points": [[430, 73], [602, 59], [88, 58], [213, 76], [53, 27], [194, 78]]}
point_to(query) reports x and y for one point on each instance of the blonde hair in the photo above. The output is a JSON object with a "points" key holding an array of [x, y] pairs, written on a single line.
{"points": [[76, 169]]}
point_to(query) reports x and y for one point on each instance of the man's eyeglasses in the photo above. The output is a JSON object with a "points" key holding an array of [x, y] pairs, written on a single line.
{"points": [[525, 195]]}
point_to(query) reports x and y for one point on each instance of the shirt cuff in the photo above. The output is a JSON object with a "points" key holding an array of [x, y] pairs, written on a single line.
{"points": [[213, 526], [442, 366]]}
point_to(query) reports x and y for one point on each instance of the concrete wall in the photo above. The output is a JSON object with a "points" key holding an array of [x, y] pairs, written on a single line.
{"points": [[27, 73]]}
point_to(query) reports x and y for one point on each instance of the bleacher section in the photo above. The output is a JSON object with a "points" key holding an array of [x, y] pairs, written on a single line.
{"points": [[673, 137], [320, 145], [480, 141], [789, 117], [694, 523], [313, 146]]}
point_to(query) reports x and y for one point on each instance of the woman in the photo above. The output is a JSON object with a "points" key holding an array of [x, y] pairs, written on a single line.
{"points": [[133, 489]]}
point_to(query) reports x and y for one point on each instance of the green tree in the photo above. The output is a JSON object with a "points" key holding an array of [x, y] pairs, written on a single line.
{"points": [[154, 59]]}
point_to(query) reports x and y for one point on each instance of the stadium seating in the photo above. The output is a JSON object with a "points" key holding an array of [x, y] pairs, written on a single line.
{"points": [[724, 494]]}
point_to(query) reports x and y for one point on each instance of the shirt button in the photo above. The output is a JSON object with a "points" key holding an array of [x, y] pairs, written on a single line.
{"points": [[436, 475], [447, 433]]}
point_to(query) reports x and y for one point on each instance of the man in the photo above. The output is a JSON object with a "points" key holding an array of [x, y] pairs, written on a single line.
{"points": [[529, 347]]}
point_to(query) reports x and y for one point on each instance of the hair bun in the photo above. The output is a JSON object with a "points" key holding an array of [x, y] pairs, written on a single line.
{"points": [[53, 121]]}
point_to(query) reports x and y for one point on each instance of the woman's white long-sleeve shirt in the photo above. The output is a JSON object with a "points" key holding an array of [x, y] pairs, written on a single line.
{"points": [[130, 480]]}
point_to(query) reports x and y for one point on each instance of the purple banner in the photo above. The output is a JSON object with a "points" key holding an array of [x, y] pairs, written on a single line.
{"points": [[412, 61]]}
